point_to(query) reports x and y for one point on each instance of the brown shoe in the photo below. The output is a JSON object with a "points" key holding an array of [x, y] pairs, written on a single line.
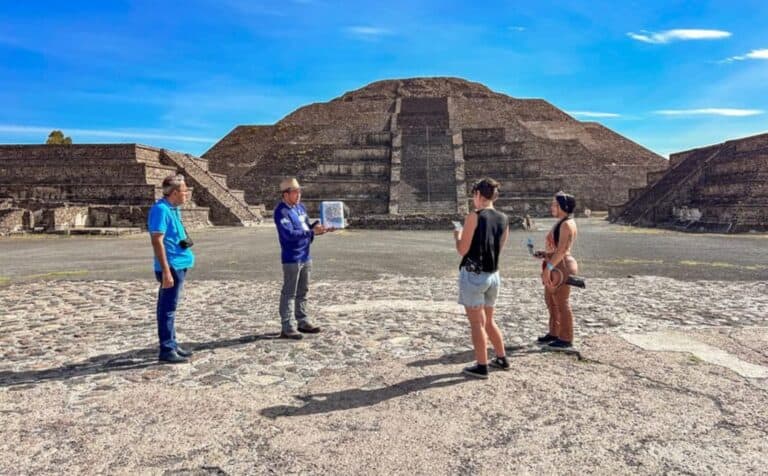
{"points": [[291, 334], [309, 329]]}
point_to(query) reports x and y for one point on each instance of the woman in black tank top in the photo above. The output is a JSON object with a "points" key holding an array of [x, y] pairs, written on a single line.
{"points": [[479, 243]]}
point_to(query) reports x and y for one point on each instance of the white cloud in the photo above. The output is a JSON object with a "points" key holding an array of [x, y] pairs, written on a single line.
{"points": [[593, 114], [516, 28], [678, 35], [712, 111], [761, 54], [112, 134], [367, 32]]}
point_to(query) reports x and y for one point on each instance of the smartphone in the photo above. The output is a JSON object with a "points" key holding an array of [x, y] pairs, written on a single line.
{"points": [[457, 225], [529, 245]]}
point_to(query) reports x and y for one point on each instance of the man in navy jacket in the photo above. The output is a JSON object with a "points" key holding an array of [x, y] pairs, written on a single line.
{"points": [[295, 234]]}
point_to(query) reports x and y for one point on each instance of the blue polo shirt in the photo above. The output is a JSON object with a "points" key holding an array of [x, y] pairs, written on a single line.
{"points": [[294, 233], [166, 219]]}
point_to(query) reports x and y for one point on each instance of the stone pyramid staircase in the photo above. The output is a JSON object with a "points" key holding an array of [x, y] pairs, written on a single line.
{"points": [[111, 185], [683, 174], [718, 188], [227, 206], [426, 157]]}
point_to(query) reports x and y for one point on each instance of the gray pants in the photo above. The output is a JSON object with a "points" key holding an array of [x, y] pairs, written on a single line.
{"points": [[295, 287]]}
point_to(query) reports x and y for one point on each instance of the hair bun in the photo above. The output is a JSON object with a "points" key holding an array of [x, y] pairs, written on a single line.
{"points": [[566, 202]]}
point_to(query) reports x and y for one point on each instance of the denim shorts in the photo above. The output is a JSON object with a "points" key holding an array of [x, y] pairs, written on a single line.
{"points": [[476, 290]]}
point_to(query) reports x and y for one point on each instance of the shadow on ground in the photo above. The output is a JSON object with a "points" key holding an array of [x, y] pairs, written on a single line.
{"points": [[129, 360], [357, 398]]}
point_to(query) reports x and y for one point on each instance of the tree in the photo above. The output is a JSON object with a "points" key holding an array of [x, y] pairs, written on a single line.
{"points": [[57, 138]]}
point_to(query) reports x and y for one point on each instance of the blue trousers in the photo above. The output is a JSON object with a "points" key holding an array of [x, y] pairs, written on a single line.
{"points": [[167, 300]]}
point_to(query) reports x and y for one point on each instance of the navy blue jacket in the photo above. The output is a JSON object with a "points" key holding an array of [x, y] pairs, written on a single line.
{"points": [[294, 232]]}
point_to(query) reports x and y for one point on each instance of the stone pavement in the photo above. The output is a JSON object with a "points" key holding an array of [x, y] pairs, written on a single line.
{"points": [[379, 390]]}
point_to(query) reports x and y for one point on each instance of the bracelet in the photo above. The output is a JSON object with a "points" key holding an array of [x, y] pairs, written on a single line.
{"points": [[549, 266]]}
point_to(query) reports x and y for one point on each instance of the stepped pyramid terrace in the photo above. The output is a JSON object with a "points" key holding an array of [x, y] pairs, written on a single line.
{"points": [[409, 147], [77, 187], [722, 187]]}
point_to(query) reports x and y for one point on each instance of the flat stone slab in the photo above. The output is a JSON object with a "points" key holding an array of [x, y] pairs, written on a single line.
{"points": [[670, 341]]}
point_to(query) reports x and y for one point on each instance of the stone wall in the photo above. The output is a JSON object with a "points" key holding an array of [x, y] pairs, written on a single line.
{"points": [[64, 218], [11, 220]]}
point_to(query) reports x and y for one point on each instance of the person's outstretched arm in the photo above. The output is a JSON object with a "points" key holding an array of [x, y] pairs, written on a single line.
{"points": [[464, 236]]}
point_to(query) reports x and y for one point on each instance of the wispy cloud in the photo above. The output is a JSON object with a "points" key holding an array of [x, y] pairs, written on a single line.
{"points": [[111, 134], [668, 36], [367, 32], [761, 54], [594, 114], [516, 28], [710, 111]]}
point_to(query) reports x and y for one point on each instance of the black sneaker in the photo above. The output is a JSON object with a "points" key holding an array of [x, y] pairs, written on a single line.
{"points": [[546, 339], [308, 329], [171, 357], [499, 363], [183, 352], [291, 334], [476, 371], [560, 344]]}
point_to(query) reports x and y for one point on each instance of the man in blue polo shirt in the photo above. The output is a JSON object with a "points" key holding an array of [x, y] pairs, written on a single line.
{"points": [[173, 259], [295, 234]]}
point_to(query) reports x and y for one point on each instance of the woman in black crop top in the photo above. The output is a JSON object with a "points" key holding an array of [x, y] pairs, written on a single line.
{"points": [[479, 243]]}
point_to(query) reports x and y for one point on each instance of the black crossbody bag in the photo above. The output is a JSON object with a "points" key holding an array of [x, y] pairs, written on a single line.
{"points": [[186, 242]]}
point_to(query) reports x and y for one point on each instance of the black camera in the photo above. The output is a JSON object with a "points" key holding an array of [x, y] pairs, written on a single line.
{"points": [[575, 281], [186, 243]]}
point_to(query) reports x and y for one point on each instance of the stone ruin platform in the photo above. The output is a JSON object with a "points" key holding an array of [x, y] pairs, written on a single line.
{"points": [[718, 188], [67, 187]]}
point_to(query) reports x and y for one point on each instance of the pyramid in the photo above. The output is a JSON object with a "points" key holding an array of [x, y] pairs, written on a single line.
{"points": [[415, 146]]}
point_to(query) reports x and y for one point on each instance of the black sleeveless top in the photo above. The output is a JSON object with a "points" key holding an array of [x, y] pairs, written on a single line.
{"points": [[483, 254]]}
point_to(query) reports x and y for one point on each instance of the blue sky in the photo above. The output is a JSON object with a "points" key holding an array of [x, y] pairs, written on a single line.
{"points": [[671, 75]]}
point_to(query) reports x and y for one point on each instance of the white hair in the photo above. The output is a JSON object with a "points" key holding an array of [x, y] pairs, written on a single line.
{"points": [[171, 183]]}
